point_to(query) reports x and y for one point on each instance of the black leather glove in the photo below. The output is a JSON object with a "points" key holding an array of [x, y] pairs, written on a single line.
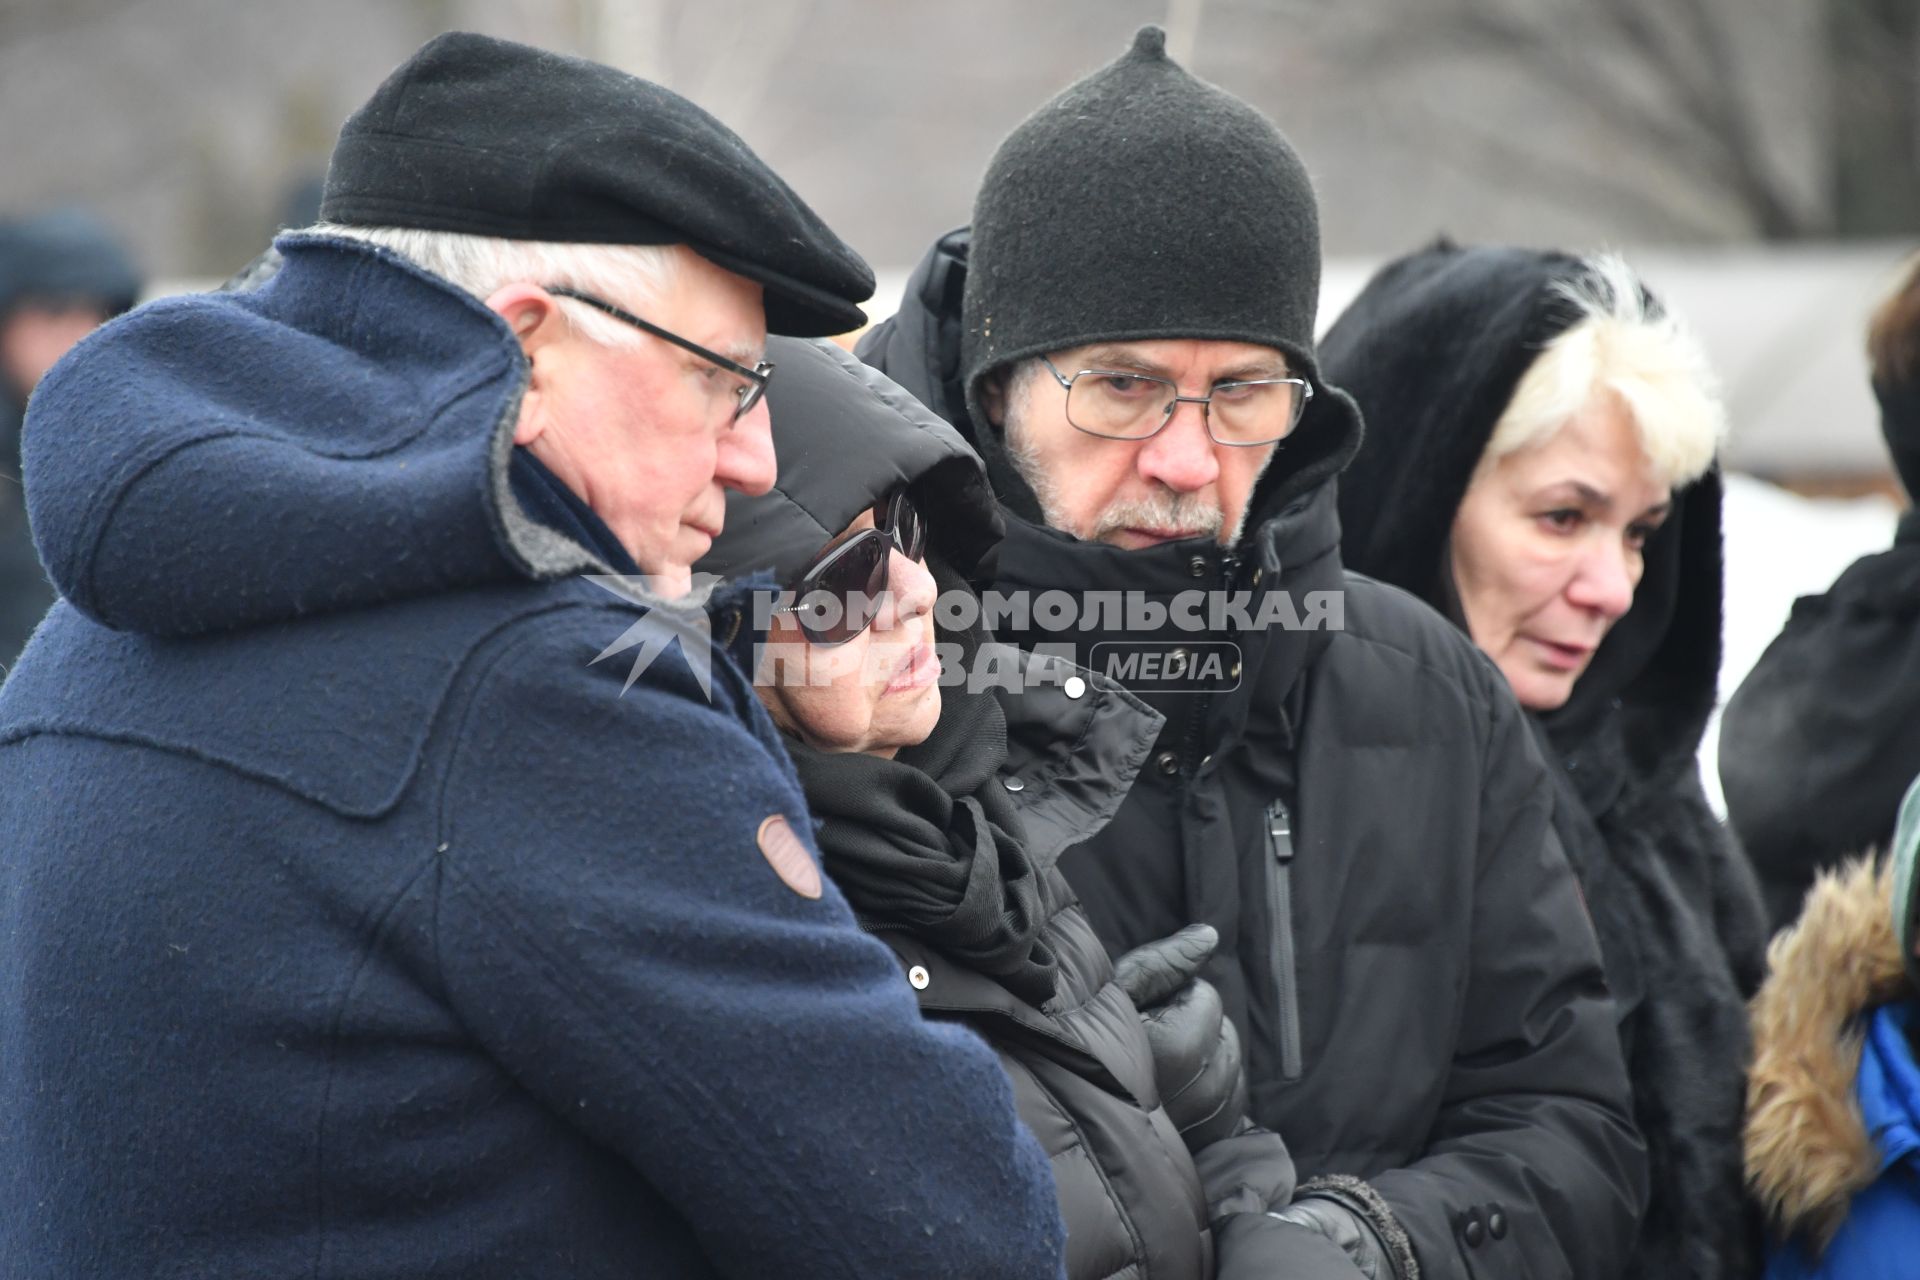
{"points": [[1196, 1050], [1260, 1246], [1352, 1215]]}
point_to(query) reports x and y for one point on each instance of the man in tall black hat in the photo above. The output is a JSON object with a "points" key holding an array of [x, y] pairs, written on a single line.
{"points": [[356, 921], [1344, 788]]}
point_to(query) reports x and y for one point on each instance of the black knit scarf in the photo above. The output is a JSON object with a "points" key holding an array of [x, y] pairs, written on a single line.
{"points": [[929, 843]]}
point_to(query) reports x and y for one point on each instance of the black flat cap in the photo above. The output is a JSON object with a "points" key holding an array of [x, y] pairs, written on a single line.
{"points": [[493, 138]]}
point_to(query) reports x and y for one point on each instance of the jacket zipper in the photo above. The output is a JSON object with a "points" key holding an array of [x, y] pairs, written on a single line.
{"points": [[1280, 901]]}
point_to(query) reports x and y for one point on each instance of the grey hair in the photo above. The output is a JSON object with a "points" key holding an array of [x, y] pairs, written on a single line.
{"points": [[1620, 345], [633, 276]]}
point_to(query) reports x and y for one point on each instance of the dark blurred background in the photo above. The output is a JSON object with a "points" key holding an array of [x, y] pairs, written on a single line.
{"points": [[192, 125]]}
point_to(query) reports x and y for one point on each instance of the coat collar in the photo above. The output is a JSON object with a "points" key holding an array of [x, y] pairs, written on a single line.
{"points": [[1075, 742], [1276, 576]]}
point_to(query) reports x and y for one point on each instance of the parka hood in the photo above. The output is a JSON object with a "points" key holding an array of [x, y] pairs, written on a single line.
{"points": [[174, 492], [1808, 1148], [1432, 350], [846, 436]]}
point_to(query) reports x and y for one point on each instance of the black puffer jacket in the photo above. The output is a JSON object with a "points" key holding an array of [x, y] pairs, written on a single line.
{"points": [[1821, 739], [1363, 815], [1432, 350], [1082, 1067]]}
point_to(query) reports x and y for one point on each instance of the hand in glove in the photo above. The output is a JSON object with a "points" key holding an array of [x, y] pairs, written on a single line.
{"points": [[1196, 1051], [1352, 1215], [1260, 1246]]}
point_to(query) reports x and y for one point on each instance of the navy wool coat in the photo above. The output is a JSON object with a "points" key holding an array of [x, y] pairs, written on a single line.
{"points": [[354, 924]]}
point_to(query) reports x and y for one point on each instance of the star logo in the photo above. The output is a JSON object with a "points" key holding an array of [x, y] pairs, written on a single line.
{"points": [[661, 625]]}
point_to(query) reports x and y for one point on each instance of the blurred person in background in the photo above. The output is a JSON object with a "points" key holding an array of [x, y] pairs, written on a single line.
{"points": [[1538, 467], [1820, 740], [945, 801], [62, 274], [1357, 805], [1833, 1124], [353, 920]]}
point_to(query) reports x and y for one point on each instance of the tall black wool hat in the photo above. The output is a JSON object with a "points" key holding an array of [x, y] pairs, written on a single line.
{"points": [[492, 138], [1141, 203]]}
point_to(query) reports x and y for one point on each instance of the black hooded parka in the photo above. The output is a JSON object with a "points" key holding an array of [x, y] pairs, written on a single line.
{"points": [[1363, 815], [1820, 740], [1432, 349], [1068, 746]]}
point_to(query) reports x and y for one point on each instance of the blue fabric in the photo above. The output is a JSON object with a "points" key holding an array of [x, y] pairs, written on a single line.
{"points": [[354, 924], [214, 461], [1881, 1236]]}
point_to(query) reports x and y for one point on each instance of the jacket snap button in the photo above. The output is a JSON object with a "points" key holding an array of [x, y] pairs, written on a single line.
{"points": [[1497, 1225], [1475, 1233], [1013, 784], [1257, 575], [1167, 762], [1075, 687], [919, 977], [1234, 670], [1205, 761], [1197, 566]]}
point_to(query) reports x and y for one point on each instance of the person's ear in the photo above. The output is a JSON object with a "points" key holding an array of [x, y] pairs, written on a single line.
{"points": [[993, 397], [537, 321]]}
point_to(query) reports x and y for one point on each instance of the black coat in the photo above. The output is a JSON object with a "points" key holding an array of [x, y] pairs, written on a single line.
{"points": [[1364, 817], [1080, 1062], [1081, 1067], [1820, 741], [1432, 350], [25, 593]]}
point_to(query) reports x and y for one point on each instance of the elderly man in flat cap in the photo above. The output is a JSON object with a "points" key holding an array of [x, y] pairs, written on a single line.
{"points": [[355, 922]]}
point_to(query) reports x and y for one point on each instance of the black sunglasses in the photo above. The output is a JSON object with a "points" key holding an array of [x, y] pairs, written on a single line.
{"points": [[756, 378], [838, 594]]}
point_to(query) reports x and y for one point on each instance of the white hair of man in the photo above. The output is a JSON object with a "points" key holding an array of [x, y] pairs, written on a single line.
{"points": [[1620, 346], [631, 276]]}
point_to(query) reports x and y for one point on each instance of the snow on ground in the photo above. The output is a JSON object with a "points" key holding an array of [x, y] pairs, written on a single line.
{"points": [[1781, 546]]}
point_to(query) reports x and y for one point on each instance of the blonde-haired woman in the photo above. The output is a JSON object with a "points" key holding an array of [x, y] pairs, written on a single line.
{"points": [[1538, 466]]}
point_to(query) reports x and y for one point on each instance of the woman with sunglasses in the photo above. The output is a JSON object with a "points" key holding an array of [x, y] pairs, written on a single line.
{"points": [[942, 806]]}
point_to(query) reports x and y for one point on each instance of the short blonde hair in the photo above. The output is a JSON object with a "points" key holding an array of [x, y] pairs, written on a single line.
{"points": [[628, 275], [1620, 345]]}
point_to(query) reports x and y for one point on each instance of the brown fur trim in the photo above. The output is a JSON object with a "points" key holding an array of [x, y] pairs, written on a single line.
{"points": [[1807, 1148]]}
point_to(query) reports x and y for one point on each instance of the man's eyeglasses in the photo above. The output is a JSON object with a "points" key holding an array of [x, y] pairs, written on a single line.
{"points": [[1134, 406], [838, 594], [756, 377]]}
